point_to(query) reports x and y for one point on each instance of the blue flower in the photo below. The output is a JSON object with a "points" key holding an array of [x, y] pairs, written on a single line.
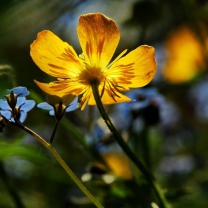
{"points": [[57, 106], [11, 95], [21, 108], [19, 91], [145, 102]]}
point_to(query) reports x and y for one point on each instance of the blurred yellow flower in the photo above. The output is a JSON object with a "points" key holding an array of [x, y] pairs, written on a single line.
{"points": [[186, 56], [99, 37], [118, 163]]}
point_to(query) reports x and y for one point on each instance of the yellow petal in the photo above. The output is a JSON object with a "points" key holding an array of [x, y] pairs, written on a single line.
{"points": [[110, 97], [86, 97], [141, 62], [99, 37], [51, 88], [62, 88], [55, 57]]}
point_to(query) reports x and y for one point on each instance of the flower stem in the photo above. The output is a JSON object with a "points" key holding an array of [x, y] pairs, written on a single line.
{"points": [[149, 177], [73, 177], [61, 162], [54, 131]]}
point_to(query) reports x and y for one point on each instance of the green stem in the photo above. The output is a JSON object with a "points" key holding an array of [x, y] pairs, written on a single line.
{"points": [[54, 131], [146, 148], [62, 163], [73, 177], [149, 177]]}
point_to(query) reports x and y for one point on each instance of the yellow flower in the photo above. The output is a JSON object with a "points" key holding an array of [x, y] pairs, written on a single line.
{"points": [[186, 56], [99, 37], [119, 164]]}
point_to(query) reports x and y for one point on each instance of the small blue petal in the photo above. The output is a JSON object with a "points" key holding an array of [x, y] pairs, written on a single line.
{"points": [[28, 105], [45, 106], [52, 112], [73, 105], [7, 114], [20, 101], [20, 91], [24, 108], [23, 116], [4, 105]]}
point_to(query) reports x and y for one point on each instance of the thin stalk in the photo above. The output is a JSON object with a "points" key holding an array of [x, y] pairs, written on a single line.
{"points": [[54, 131], [146, 148], [148, 176], [74, 177], [61, 162]]}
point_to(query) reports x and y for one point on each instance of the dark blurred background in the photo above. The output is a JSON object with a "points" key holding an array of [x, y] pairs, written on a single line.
{"points": [[166, 126]]}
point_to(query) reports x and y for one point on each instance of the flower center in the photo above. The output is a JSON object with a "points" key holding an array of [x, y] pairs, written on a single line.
{"points": [[90, 75]]}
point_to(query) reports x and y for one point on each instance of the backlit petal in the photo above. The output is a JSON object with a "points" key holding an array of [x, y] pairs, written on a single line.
{"points": [[28, 105], [107, 99], [99, 37], [20, 101], [51, 88], [20, 91], [4, 105], [23, 116], [45, 106], [73, 105], [55, 57], [7, 114], [61, 88], [141, 62], [110, 98]]}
